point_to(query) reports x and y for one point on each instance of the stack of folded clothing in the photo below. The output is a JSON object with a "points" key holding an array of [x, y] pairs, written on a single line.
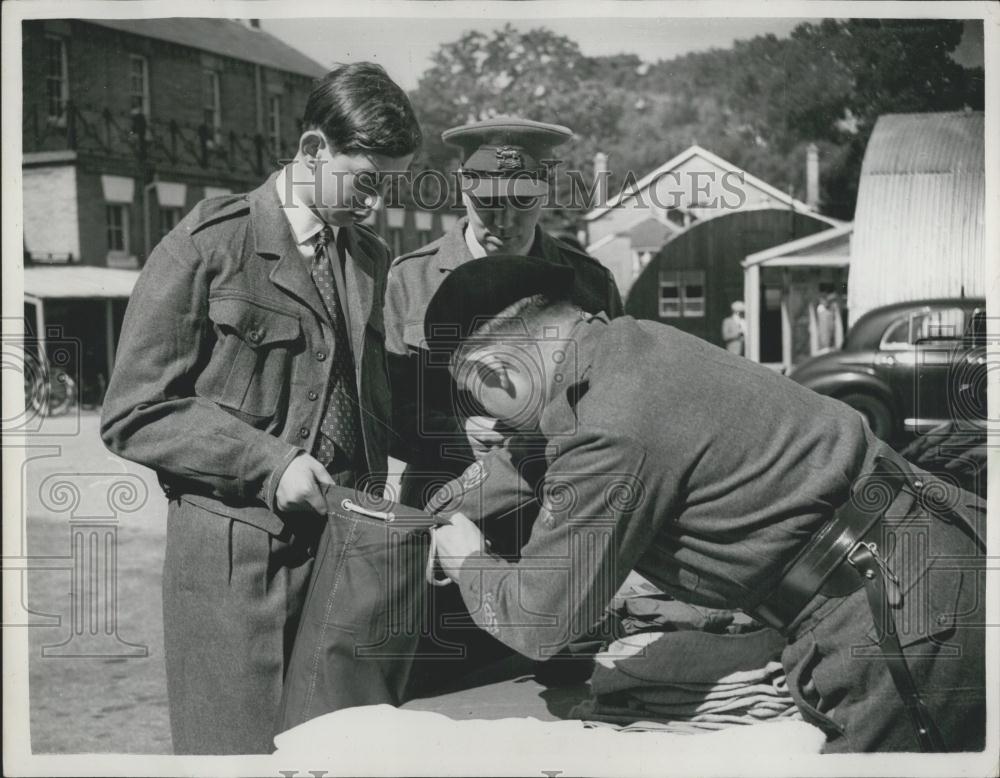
{"points": [[685, 668]]}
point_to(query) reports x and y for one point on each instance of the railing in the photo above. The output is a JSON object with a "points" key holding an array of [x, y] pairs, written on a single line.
{"points": [[131, 136]]}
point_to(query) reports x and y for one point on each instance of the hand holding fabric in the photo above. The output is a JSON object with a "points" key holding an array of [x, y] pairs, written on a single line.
{"points": [[456, 542], [301, 486]]}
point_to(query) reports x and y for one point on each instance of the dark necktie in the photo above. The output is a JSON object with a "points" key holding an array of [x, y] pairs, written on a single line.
{"points": [[337, 442]]}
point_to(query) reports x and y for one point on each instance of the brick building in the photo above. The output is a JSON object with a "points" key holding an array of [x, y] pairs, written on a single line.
{"points": [[128, 123]]}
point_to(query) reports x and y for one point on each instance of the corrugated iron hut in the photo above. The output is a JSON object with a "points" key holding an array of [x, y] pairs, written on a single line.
{"points": [[919, 221]]}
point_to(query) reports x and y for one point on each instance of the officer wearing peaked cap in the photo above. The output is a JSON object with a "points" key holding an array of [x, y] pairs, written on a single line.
{"points": [[504, 177], [504, 172]]}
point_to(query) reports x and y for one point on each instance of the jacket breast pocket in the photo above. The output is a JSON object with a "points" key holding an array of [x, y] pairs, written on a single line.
{"points": [[250, 367]]}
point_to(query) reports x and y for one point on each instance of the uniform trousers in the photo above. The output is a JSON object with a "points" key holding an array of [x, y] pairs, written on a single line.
{"points": [[232, 595]]}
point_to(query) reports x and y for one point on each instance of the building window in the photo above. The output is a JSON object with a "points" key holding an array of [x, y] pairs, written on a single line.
{"points": [[138, 85], [693, 293], [118, 229], [168, 219], [274, 123], [56, 78], [211, 102], [682, 294]]}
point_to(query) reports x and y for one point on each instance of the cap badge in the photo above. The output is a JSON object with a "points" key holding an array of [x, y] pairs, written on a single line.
{"points": [[508, 158]]}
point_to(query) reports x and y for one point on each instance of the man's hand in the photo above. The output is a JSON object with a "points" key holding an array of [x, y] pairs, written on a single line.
{"points": [[483, 435], [301, 486], [456, 542]]}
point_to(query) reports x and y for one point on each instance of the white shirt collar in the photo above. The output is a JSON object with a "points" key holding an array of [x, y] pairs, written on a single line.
{"points": [[305, 224], [475, 247]]}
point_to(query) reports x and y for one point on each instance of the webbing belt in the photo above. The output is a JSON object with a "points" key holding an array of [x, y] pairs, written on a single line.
{"points": [[864, 559], [838, 561]]}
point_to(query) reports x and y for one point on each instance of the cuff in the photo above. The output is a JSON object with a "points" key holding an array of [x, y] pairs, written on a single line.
{"points": [[472, 571], [270, 485]]}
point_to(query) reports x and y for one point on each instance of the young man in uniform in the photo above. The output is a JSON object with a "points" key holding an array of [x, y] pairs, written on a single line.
{"points": [[504, 180], [727, 486], [251, 374]]}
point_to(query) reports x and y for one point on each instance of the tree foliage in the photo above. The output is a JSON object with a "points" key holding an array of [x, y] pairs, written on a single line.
{"points": [[757, 104]]}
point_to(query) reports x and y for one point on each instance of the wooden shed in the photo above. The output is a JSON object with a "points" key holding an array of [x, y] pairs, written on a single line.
{"points": [[693, 280], [919, 223]]}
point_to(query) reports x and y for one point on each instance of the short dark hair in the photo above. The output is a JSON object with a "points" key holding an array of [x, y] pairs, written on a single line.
{"points": [[521, 321], [361, 110]]}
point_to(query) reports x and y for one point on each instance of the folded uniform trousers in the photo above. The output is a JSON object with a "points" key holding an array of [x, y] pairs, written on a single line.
{"points": [[364, 608]]}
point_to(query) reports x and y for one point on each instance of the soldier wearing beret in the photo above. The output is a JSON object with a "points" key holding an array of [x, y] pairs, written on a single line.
{"points": [[250, 376], [793, 512]]}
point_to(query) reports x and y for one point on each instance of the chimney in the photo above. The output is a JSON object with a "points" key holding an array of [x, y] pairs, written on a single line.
{"points": [[600, 180], [812, 176]]}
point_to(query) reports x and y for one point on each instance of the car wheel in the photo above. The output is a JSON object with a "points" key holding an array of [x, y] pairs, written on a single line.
{"points": [[874, 410]]}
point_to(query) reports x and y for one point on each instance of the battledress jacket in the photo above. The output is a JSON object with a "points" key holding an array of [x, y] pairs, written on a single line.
{"points": [[226, 351], [702, 470]]}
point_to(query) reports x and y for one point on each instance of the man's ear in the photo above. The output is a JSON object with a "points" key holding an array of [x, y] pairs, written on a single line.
{"points": [[490, 369], [310, 144]]}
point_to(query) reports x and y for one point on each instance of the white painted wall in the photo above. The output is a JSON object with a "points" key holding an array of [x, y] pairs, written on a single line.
{"points": [[51, 220]]}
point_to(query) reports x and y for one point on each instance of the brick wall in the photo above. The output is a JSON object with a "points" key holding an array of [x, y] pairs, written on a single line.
{"points": [[67, 208], [98, 76], [93, 220]]}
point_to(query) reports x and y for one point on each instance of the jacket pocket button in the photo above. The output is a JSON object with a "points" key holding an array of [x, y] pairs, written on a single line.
{"points": [[320, 355], [255, 336], [313, 396], [304, 432]]}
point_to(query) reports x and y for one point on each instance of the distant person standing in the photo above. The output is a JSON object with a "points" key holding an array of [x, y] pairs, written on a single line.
{"points": [[829, 332], [734, 329]]}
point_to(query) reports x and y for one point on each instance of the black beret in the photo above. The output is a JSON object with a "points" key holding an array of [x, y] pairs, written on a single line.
{"points": [[479, 289]]}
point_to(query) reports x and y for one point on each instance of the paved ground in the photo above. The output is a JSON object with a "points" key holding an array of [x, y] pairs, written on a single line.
{"points": [[96, 672]]}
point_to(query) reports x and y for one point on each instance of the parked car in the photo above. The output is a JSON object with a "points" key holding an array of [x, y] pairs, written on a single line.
{"points": [[908, 367]]}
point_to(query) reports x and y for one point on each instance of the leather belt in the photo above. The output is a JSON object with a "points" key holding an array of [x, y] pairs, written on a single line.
{"points": [[838, 561], [821, 566]]}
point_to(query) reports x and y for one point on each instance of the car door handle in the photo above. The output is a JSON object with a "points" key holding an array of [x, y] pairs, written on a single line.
{"points": [[888, 361]]}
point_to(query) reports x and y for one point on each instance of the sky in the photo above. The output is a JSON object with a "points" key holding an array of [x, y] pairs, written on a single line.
{"points": [[404, 46]]}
